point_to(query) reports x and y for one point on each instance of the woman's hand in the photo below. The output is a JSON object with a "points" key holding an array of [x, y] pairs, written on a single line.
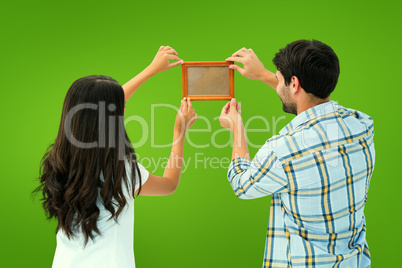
{"points": [[230, 119], [185, 118], [230, 116], [171, 176], [159, 64], [161, 61]]}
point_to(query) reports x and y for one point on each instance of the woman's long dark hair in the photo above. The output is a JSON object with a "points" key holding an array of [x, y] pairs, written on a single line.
{"points": [[92, 141]]}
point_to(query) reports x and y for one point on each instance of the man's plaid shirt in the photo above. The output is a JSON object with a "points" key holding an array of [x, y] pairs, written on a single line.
{"points": [[318, 171]]}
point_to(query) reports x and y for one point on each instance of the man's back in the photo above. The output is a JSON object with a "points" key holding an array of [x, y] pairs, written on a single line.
{"points": [[318, 171]]}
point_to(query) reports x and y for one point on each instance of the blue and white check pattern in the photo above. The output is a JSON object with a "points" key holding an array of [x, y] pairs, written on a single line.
{"points": [[318, 171]]}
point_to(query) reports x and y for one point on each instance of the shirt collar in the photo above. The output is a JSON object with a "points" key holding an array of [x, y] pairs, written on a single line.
{"points": [[309, 114]]}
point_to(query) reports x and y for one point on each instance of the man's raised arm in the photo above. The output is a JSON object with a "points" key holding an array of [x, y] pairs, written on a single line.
{"points": [[252, 67]]}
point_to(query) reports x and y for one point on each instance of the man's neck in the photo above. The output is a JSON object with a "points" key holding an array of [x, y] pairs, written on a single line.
{"points": [[307, 104]]}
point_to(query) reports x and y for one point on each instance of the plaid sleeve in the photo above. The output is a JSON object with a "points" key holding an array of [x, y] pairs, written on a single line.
{"points": [[262, 176]]}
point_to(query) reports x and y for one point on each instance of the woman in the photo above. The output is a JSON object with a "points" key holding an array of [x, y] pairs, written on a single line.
{"points": [[90, 175]]}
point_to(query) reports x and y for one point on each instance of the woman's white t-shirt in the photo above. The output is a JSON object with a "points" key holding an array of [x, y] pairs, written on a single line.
{"points": [[113, 248]]}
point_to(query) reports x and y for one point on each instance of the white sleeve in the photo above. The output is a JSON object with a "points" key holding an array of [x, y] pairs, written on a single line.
{"points": [[144, 176]]}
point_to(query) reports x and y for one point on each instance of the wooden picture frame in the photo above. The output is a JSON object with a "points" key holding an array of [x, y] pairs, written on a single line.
{"points": [[208, 80]]}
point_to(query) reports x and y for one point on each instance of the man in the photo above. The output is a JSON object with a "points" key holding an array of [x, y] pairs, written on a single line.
{"points": [[317, 169]]}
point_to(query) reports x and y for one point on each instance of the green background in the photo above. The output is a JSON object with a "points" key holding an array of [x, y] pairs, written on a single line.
{"points": [[46, 45]]}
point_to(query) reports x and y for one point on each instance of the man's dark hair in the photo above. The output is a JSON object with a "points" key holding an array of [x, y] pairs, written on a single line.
{"points": [[314, 63]]}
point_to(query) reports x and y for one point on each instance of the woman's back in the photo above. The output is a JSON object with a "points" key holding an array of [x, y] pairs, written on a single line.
{"points": [[89, 176], [113, 248]]}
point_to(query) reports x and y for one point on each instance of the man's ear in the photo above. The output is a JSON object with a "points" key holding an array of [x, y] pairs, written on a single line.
{"points": [[295, 85]]}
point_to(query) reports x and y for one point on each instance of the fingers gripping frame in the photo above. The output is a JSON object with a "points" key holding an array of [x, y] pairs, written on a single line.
{"points": [[208, 80]]}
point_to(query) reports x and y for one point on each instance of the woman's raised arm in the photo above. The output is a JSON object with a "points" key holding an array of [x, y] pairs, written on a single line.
{"points": [[157, 186], [159, 64]]}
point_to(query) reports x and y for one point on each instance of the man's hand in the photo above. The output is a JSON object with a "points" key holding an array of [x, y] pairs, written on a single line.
{"points": [[253, 67], [230, 116], [161, 61]]}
